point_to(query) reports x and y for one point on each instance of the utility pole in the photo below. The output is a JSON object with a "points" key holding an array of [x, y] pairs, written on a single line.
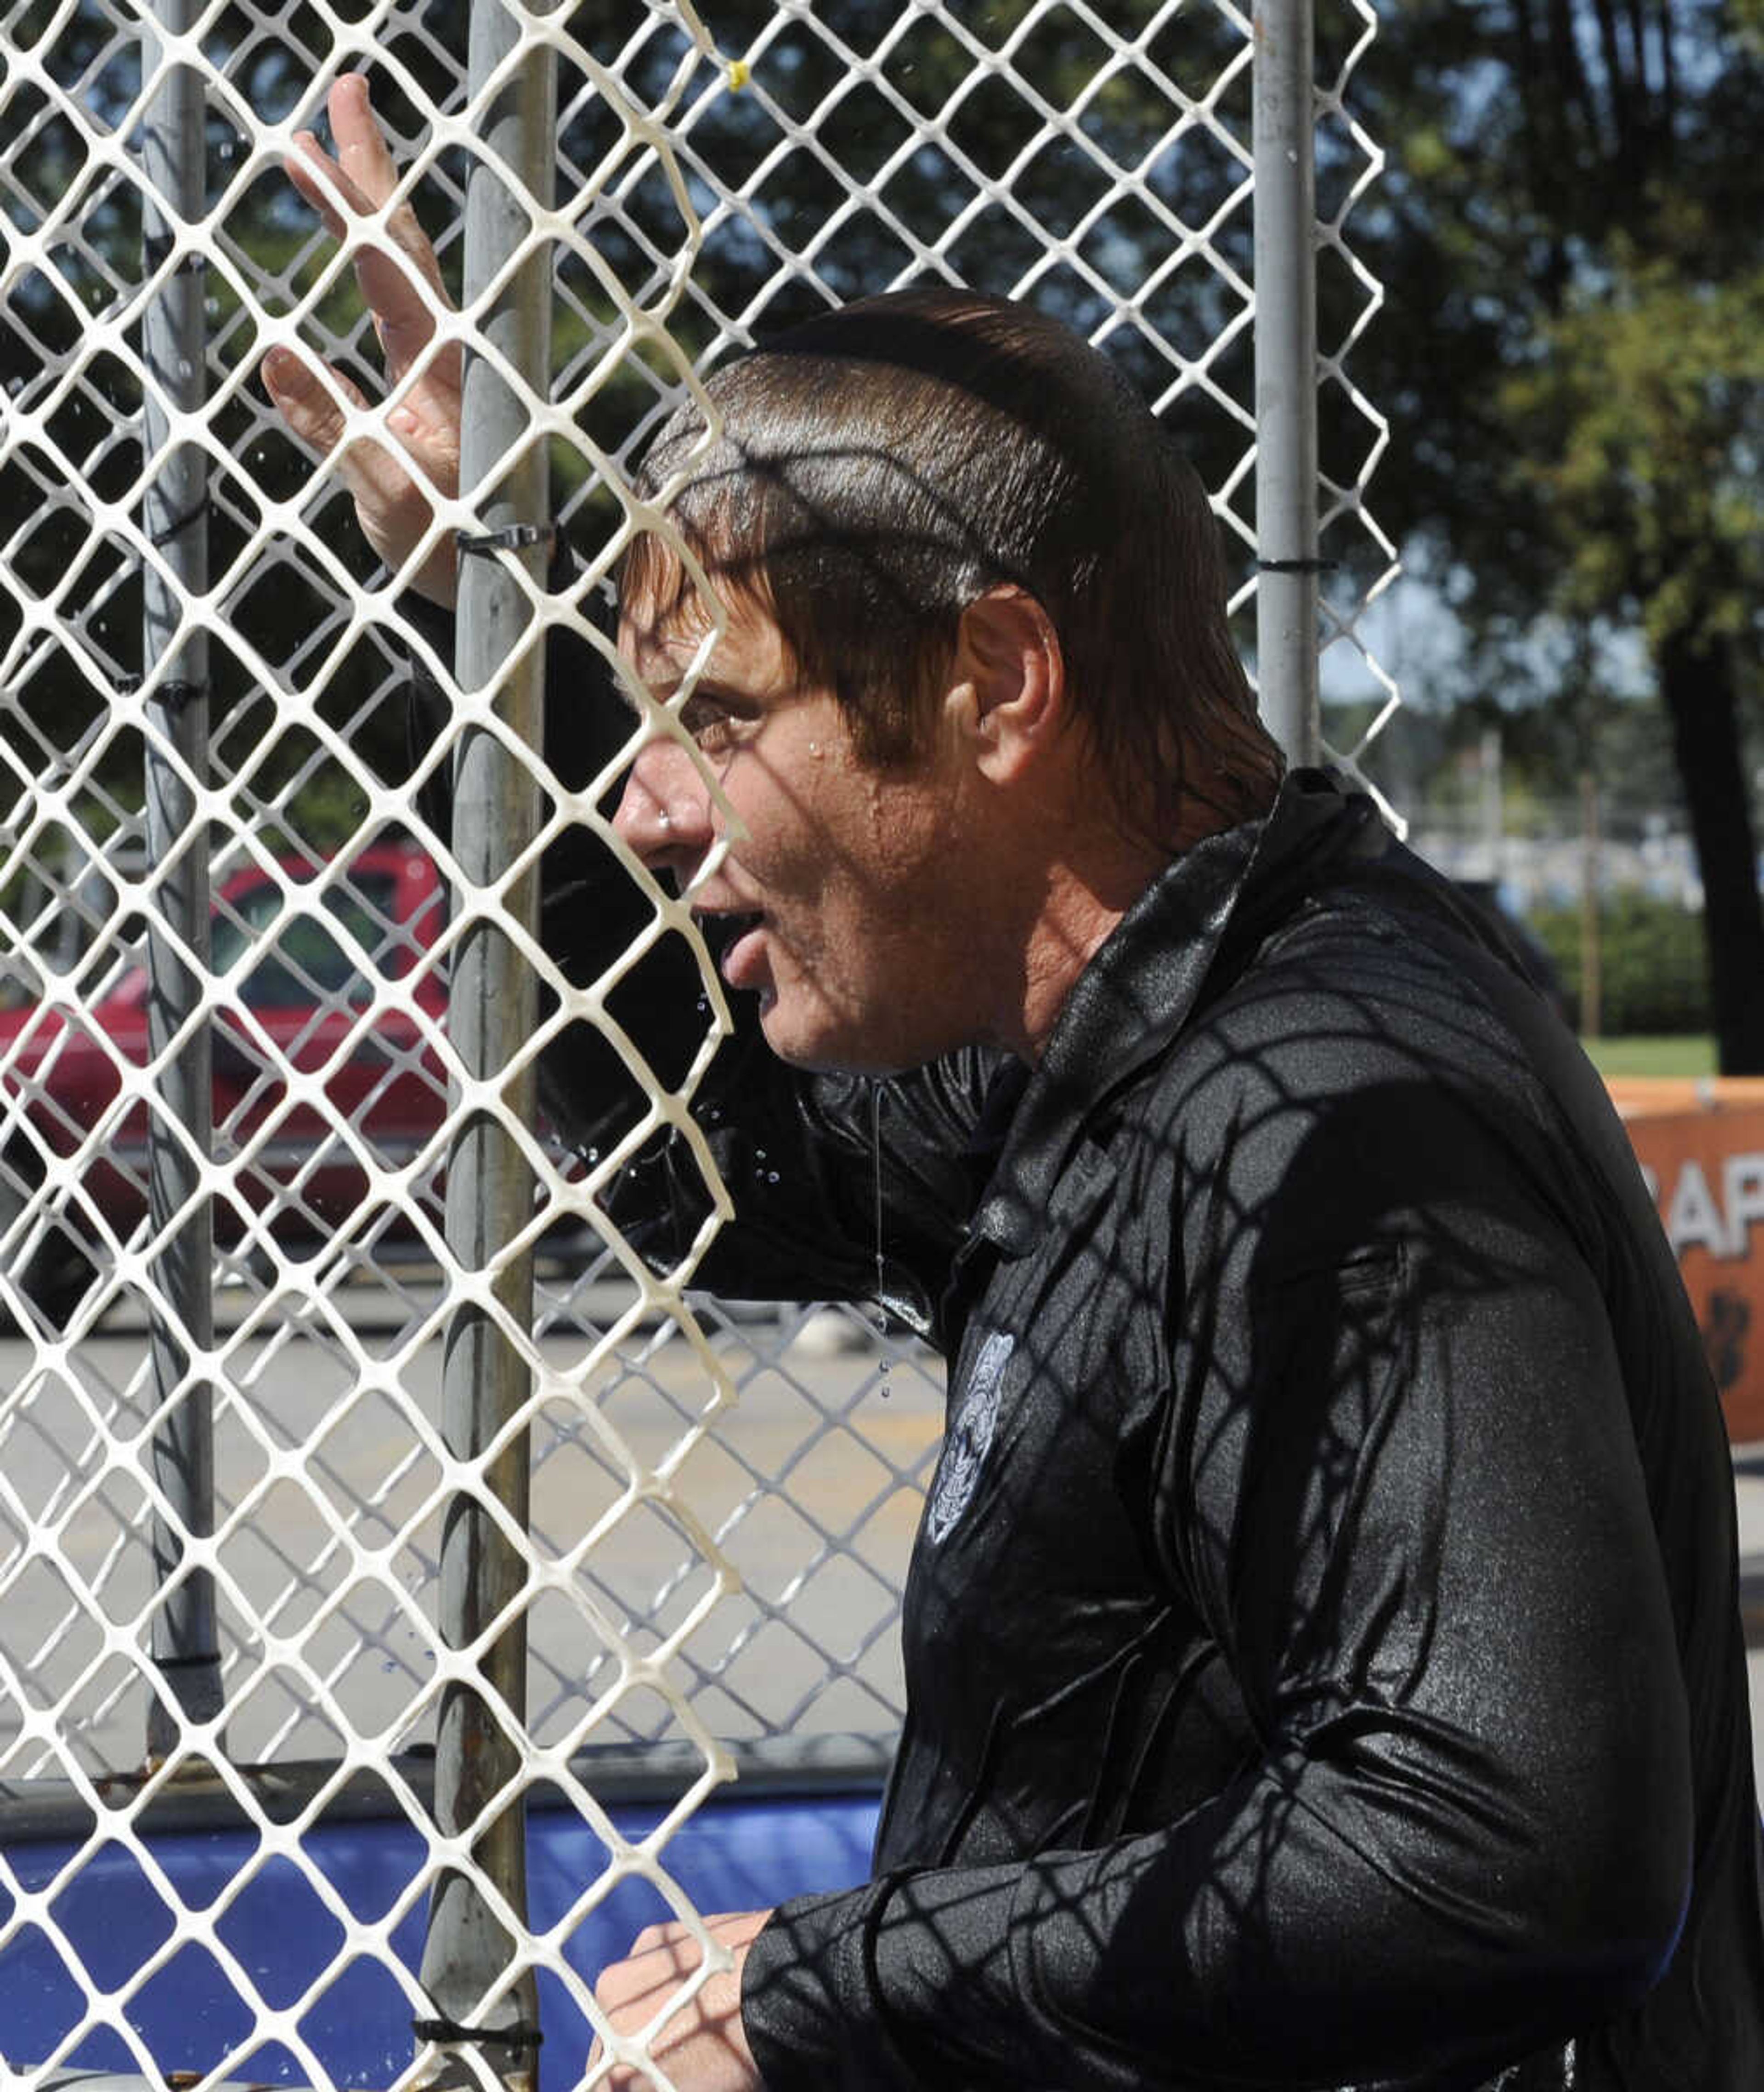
{"points": [[174, 518], [1285, 204]]}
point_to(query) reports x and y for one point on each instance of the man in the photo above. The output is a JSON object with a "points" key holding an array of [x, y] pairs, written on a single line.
{"points": [[1322, 1664]]}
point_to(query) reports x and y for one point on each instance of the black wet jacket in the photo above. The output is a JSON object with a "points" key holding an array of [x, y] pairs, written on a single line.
{"points": [[1323, 1659]]}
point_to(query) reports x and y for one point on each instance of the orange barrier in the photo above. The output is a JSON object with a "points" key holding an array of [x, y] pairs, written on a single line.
{"points": [[1700, 1145]]}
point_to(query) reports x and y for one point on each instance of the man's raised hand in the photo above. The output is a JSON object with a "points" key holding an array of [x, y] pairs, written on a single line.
{"points": [[390, 487]]}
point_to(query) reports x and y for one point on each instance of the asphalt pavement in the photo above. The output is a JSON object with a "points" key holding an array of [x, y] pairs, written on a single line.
{"points": [[766, 1536]]}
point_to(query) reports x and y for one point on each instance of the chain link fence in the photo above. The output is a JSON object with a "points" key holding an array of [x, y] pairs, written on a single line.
{"points": [[234, 1076]]}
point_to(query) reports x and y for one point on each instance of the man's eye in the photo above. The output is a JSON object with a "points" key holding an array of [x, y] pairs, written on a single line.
{"points": [[709, 724]]}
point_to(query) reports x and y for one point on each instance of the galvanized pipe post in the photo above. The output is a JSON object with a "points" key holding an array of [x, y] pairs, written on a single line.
{"points": [[175, 517], [491, 1012], [1285, 194]]}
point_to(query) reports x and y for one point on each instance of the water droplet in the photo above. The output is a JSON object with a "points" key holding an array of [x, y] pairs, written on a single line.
{"points": [[875, 1159]]}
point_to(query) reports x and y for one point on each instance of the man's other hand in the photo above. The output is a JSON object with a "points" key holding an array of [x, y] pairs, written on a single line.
{"points": [[401, 282], [701, 2047]]}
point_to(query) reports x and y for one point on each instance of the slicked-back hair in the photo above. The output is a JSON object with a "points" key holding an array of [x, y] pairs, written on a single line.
{"points": [[882, 466]]}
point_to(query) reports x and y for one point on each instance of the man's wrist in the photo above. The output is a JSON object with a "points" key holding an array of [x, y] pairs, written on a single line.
{"points": [[806, 1994]]}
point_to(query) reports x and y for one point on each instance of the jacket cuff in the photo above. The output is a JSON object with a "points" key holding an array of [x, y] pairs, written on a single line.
{"points": [[889, 1988], [806, 1987]]}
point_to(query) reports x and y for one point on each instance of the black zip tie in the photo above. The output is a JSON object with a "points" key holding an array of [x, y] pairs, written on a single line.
{"points": [[524, 2033], [511, 538], [198, 508], [1297, 566], [174, 695]]}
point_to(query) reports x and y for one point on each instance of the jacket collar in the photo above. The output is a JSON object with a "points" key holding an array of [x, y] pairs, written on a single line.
{"points": [[1141, 987]]}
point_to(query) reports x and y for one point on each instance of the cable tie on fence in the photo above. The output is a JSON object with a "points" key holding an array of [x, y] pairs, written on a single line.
{"points": [[1297, 566], [511, 538], [524, 2034], [173, 695], [198, 508]]}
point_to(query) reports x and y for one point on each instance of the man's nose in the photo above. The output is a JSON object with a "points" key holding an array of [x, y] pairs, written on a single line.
{"points": [[664, 813]]}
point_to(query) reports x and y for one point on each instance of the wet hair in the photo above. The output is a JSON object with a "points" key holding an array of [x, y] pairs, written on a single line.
{"points": [[882, 465]]}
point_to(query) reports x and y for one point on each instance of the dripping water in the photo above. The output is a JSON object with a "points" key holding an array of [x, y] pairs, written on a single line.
{"points": [[881, 1323]]}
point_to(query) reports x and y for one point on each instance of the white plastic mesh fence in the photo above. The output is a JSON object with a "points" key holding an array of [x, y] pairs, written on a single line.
{"points": [[694, 1577]]}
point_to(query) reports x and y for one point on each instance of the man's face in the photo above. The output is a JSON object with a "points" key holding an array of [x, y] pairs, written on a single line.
{"points": [[841, 883]]}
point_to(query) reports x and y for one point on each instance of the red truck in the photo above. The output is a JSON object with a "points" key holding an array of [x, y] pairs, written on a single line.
{"points": [[305, 960]]}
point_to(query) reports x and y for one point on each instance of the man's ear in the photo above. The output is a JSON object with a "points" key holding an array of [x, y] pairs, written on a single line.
{"points": [[1008, 687]]}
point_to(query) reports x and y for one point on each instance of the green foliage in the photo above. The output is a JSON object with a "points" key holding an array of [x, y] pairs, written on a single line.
{"points": [[1653, 971], [1570, 229], [1572, 233], [1640, 430]]}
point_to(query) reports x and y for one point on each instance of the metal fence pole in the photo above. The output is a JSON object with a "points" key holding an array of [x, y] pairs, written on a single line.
{"points": [[491, 1012], [1286, 374], [175, 516]]}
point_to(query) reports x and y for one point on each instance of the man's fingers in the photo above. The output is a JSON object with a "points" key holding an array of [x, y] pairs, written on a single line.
{"points": [[700, 2043], [366, 164], [312, 410], [667, 1932], [319, 179], [389, 500], [393, 481], [403, 318], [400, 307], [354, 185], [305, 403], [367, 159]]}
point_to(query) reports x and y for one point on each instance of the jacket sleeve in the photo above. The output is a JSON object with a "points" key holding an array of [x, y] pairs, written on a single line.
{"points": [[842, 1188], [1399, 1487]]}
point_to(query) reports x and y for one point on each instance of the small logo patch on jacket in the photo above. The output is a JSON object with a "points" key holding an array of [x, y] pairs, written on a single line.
{"points": [[970, 1438]]}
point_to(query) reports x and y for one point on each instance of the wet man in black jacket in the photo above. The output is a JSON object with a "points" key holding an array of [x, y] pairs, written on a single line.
{"points": [[1323, 1661]]}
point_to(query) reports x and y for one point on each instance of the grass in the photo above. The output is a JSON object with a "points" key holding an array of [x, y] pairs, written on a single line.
{"points": [[1694, 1054]]}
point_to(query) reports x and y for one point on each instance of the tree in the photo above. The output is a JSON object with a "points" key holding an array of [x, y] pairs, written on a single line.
{"points": [[1573, 235]]}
